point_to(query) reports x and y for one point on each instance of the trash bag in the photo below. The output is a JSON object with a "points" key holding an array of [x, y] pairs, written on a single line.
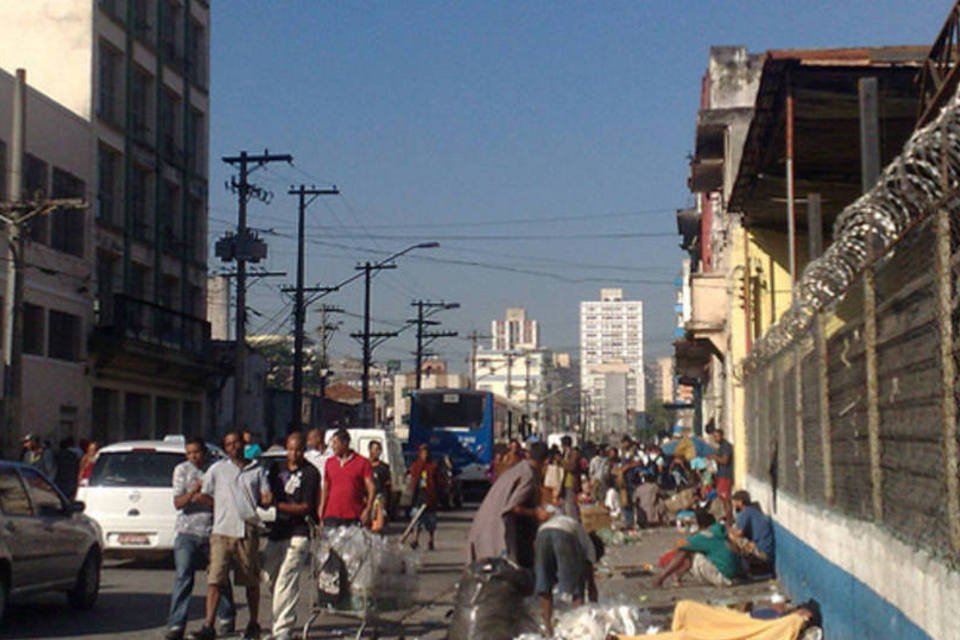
{"points": [[598, 621], [487, 605]]}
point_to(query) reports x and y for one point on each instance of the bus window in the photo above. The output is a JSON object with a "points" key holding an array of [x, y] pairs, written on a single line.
{"points": [[450, 410]]}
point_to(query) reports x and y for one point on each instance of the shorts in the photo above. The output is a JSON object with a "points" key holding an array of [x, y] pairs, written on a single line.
{"points": [[240, 554], [724, 485], [706, 571], [427, 521], [560, 562]]}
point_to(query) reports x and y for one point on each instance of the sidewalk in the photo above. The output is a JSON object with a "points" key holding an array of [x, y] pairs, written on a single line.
{"points": [[621, 577]]}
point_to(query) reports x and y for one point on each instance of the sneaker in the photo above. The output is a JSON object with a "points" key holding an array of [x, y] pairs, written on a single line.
{"points": [[225, 627], [176, 633], [252, 632], [204, 633]]}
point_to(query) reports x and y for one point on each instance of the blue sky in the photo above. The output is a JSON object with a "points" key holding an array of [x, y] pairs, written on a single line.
{"points": [[559, 128]]}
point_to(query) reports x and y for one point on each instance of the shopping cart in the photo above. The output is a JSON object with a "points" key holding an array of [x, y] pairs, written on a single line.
{"points": [[363, 577]]}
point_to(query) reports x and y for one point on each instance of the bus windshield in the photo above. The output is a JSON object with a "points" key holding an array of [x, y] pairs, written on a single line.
{"points": [[450, 410]]}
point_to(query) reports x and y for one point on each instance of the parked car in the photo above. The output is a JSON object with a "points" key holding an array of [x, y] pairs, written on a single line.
{"points": [[130, 495], [46, 542]]}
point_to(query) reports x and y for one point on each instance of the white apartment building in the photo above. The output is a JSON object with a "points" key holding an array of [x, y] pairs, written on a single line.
{"points": [[515, 331], [660, 379], [528, 378], [58, 294], [137, 72], [611, 345]]}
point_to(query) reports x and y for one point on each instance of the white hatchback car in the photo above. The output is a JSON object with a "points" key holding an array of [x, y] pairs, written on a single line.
{"points": [[130, 495]]}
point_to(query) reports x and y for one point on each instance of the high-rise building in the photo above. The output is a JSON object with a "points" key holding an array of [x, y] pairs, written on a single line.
{"points": [[137, 71], [515, 331], [611, 361], [660, 380]]}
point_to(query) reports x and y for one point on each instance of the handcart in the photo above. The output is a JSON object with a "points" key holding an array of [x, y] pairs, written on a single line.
{"points": [[362, 576]]}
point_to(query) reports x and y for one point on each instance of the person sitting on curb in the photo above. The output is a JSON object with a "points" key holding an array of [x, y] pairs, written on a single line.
{"points": [[706, 555], [752, 535]]}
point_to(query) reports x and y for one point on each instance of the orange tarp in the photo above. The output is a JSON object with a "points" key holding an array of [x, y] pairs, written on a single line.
{"points": [[696, 621]]}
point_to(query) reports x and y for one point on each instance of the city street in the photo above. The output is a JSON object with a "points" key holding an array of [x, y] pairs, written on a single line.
{"points": [[134, 599]]}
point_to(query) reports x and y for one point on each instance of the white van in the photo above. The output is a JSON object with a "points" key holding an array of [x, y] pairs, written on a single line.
{"points": [[553, 439]]}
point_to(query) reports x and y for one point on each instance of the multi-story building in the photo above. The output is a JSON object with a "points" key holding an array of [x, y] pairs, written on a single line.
{"points": [[137, 71], [57, 291], [661, 380], [515, 331], [528, 378], [611, 347]]}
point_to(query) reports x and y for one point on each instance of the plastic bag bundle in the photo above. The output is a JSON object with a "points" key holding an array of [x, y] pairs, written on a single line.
{"points": [[488, 604], [360, 569], [597, 622]]}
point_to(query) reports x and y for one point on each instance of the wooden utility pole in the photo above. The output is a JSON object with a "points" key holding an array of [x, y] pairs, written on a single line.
{"points": [[369, 340], [244, 247], [306, 196], [425, 309]]}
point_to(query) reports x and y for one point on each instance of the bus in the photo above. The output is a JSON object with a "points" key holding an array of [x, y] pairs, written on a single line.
{"points": [[464, 424]]}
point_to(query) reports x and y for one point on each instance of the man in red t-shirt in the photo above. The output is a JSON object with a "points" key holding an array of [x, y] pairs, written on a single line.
{"points": [[348, 488]]}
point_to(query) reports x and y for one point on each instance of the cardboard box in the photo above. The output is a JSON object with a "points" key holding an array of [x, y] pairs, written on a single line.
{"points": [[595, 517]]}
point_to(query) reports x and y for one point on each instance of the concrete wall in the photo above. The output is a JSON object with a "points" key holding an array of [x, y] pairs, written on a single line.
{"points": [[869, 583]]}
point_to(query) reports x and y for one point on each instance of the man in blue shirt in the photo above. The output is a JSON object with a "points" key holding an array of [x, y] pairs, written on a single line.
{"points": [[753, 534]]}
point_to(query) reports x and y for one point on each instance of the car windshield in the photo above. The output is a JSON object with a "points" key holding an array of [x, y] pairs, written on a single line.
{"points": [[135, 469]]}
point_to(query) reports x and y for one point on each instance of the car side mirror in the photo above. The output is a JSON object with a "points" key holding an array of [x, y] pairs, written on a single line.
{"points": [[50, 511], [78, 506]]}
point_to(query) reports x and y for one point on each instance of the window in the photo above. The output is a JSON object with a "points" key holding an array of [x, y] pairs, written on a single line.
{"points": [[66, 225], [108, 77], [46, 500], [170, 214], [138, 282], [108, 162], [140, 104], [195, 54], [170, 30], [142, 24], [33, 325], [197, 236], [13, 497], [141, 201], [112, 8], [106, 264], [64, 341], [198, 142], [35, 188], [135, 468], [170, 126]]}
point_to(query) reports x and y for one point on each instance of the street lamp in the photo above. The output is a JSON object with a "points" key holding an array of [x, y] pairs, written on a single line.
{"points": [[368, 269]]}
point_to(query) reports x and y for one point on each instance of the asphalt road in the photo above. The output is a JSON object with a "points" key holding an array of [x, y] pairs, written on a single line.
{"points": [[135, 597]]}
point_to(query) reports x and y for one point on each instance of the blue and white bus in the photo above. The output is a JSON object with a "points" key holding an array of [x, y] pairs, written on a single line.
{"points": [[463, 424]]}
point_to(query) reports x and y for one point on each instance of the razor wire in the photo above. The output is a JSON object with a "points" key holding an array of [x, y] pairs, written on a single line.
{"points": [[926, 175]]}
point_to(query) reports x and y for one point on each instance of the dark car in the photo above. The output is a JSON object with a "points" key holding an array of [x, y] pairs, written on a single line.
{"points": [[46, 543]]}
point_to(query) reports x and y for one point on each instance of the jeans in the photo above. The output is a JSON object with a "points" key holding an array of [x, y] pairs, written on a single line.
{"points": [[283, 563], [191, 554]]}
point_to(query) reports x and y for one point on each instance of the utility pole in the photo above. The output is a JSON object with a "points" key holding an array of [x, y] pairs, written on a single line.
{"points": [[369, 340], [244, 247], [326, 331], [15, 214], [474, 338], [299, 308], [425, 309]]}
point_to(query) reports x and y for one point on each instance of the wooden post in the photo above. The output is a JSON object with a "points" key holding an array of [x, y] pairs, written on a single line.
{"points": [[823, 392], [948, 402], [870, 170], [798, 410]]}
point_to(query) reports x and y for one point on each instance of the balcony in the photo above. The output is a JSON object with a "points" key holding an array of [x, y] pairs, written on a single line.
{"points": [[139, 337], [709, 302]]}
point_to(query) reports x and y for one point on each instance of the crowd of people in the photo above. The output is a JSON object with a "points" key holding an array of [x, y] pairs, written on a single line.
{"points": [[531, 514], [66, 466]]}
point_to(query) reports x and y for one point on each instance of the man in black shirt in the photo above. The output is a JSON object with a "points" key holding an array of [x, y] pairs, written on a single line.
{"points": [[294, 484], [381, 479]]}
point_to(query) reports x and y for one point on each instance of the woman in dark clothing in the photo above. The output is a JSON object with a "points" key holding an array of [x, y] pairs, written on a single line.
{"points": [[425, 488]]}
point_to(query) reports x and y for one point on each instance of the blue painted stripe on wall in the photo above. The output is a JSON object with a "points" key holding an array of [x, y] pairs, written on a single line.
{"points": [[851, 609]]}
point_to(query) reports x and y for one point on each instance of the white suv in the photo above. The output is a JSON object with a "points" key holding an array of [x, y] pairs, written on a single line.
{"points": [[130, 494]]}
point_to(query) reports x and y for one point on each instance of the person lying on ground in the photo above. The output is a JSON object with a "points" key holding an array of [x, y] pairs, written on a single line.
{"points": [[752, 535], [564, 558], [705, 555]]}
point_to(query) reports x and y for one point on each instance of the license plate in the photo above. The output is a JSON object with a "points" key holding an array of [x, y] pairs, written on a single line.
{"points": [[133, 539]]}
